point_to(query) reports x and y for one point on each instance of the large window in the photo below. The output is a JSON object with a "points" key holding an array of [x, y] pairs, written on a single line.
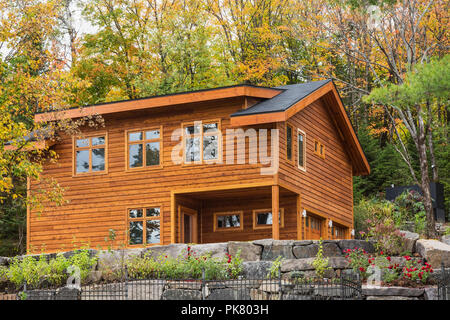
{"points": [[144, 225], [301, 149], [201, 141], [144, 148], [262, 218], [289, 143], [90, 154], [224, 221]]}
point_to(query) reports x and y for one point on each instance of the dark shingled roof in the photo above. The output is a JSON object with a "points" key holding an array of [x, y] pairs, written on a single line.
{"points": [[292, 94], [43, 133]]}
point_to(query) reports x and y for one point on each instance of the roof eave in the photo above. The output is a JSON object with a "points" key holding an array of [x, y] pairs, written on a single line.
{"points": [[161, 101], [359, 160]]}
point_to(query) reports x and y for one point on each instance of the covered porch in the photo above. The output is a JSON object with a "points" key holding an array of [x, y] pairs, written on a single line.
{"points": [[235, 213]]}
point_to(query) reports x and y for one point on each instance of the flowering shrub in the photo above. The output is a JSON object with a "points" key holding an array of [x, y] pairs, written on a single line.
{"points": [[381, 220], [186, 265], [413, 270], [358, 259]]}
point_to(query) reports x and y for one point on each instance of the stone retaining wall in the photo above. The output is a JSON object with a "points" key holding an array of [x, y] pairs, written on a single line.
{"points": [[258, 256]]}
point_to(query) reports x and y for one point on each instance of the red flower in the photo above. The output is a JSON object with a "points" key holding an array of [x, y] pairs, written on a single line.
{"points": [[388, 258], [362, 269]]}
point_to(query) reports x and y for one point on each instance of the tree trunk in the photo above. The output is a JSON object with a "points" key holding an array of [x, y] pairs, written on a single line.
{"points": [[425, 180], [434, 168]]}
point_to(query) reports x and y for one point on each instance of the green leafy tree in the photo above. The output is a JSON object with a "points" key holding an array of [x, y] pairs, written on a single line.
{"points": [[414, 102]]}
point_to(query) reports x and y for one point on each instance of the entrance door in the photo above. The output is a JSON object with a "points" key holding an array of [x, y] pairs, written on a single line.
{"points": [[314, 227], [188, 225]]}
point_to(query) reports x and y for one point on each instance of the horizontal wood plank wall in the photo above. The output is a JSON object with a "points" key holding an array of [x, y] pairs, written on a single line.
{"points": [[98, 202], [326, 185], [288, 232]]}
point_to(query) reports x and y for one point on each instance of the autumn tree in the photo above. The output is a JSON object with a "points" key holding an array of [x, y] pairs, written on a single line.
{"points": [[254, 35], [415, 101], [34, 79]]}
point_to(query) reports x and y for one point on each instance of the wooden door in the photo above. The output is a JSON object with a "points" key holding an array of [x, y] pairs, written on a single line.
{"points": [[188, 225], [314, 227]]}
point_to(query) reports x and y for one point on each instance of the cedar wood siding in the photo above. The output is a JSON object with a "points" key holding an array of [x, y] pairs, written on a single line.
{"points": [[326, 186], [288, 232], [99, 202]]}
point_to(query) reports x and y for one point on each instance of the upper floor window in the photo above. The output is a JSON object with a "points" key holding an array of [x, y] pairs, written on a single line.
{"points": [[301, 146], [90, 154], [289, 142], [144, 148], [201, 141], [319, 149]]}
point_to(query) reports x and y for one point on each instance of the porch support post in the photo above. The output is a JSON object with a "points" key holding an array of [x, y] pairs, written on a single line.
{"points": [[275, 212], [172, 218], [299, 218]]}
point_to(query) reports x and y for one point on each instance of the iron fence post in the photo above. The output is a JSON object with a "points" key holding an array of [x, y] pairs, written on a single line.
{"points": [[203, 283], [279, 282]]}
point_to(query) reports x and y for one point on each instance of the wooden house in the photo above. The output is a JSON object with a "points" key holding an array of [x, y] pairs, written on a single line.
{"points": [[162, 170]]}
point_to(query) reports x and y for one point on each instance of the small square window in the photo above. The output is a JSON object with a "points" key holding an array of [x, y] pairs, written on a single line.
{"points": [[152, 134], [228, 221], [153, 212], [319, 149], [263, 218], [135, 136], [135, 213]]}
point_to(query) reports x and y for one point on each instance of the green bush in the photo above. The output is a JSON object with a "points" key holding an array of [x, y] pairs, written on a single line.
{"points": [[377, 222], [34, 271], [320, 263], [447, 231], [274, 270], [3, 274], [187, 265], [409, 207]]}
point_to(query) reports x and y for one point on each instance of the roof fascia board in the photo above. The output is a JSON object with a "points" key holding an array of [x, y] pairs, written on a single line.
{"points": [[260, 118], [161, 101]]}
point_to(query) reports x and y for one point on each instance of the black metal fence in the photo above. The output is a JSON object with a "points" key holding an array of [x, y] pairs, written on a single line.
{"points": [[444, 284], [347, 286]]}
